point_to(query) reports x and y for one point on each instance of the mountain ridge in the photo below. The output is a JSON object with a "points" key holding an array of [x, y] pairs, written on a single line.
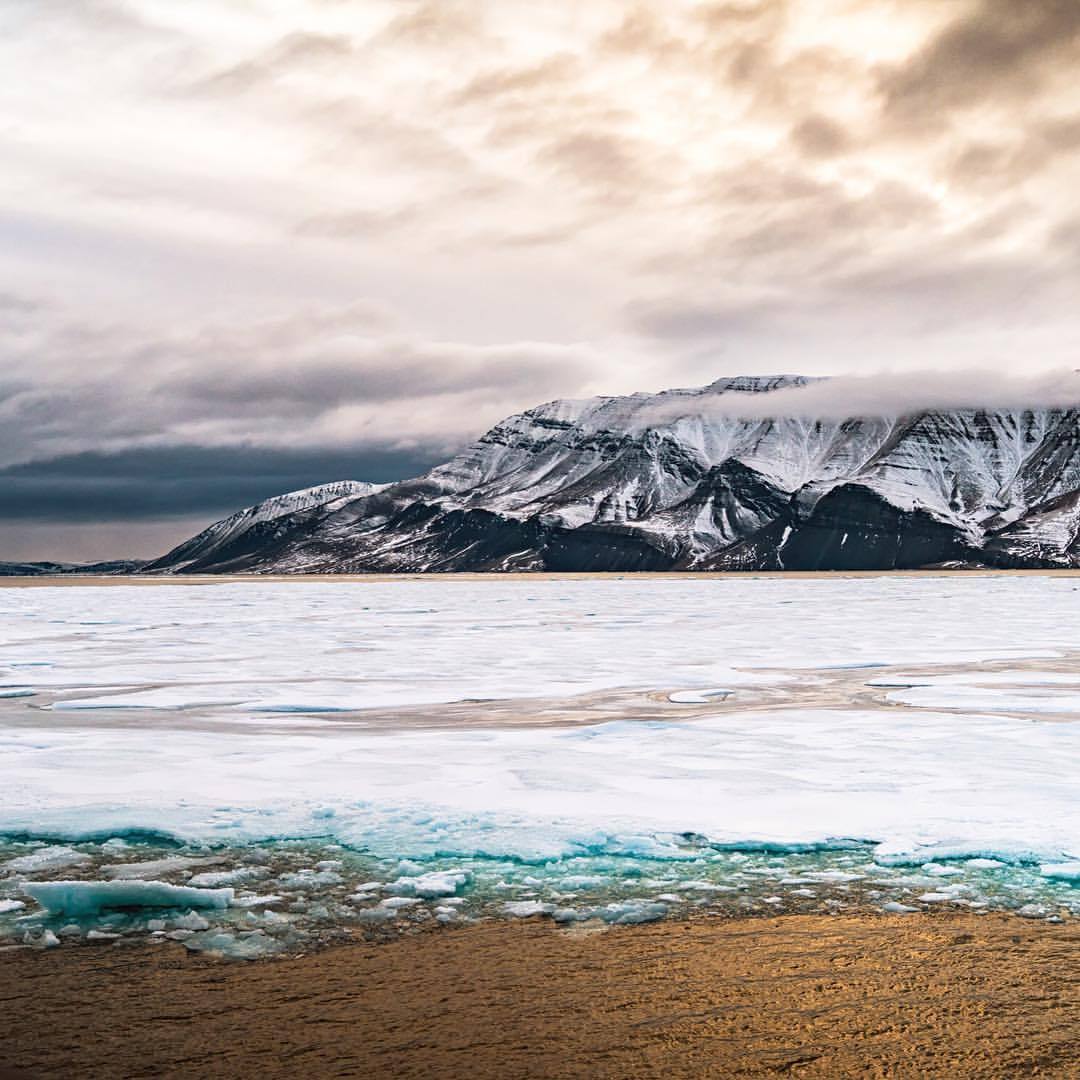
{"points": [[692, 479]]}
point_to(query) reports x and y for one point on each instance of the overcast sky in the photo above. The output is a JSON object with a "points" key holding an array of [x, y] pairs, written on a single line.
{"points": [[248, 245]]}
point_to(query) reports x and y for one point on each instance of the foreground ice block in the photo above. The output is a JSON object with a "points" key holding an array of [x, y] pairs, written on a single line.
{"points": [[90, 897]]}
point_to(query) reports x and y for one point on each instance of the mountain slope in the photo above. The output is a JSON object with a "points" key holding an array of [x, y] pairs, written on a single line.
{"points": [[251, 530], [708, 478]]}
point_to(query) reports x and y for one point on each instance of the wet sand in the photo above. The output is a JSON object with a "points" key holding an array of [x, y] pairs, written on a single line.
{"points": [[927, 996]]}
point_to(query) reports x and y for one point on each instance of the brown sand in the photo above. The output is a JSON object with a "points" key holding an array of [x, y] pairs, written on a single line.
{"points": [[927, 996]]}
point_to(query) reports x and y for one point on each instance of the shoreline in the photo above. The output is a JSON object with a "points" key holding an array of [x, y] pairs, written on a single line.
{"points": [[836, 996], [42, 580]]}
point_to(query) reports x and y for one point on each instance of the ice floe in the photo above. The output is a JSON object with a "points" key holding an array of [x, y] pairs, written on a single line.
{"points": [[90, 897]]}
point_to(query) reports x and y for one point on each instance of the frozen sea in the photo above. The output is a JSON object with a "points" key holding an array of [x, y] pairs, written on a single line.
{"points": [[244, 765]]}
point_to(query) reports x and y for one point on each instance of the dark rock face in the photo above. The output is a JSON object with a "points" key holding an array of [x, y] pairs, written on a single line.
{"points": [[854, 528], [707, 479]]}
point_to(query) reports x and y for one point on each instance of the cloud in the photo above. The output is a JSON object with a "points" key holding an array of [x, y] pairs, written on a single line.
{"points": [[884, 394], [296, 52], [998, 49], [184, 481], [817, 136], [348, 377]]}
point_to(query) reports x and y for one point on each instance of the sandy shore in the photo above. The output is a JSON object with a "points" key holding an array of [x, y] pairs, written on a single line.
{"points": [[945, 995]]}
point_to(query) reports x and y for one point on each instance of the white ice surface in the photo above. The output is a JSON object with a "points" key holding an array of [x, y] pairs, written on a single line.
{"points": [[916, 781], [982, 784], [1049, 692], [332, 646]]}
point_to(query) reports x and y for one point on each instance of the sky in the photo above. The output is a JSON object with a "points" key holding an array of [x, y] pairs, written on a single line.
{"points": [[253, 245]]}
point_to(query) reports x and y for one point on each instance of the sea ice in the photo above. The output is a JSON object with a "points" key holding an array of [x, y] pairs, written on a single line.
{"points": [[524, 909], [46, 859], [191, 921], [90, 897], [1063, 871], [213, 879], [919, 784], [151, 870], [397, 903], [437, 883], [251, 945]]}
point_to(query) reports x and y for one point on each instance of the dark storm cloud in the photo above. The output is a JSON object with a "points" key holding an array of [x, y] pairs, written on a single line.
{"points": [[998, 49], [396, 372], [81, 380], [182, 481]]}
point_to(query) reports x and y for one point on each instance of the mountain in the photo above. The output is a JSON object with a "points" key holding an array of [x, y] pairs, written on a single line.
{"points": [[50, 569], [242, 536], [701, 479]]}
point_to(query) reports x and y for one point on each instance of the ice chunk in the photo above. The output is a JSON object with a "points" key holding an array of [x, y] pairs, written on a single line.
{"points": [[938, 870], [567, 915], [7, 906], [1033, 911], [699, 697], [213, 879], [1062, 871], [151, 870], [437, 883], [375, 915], [191, 921], [396, 903], [252, 901], [630, 912], [246, 946], [90, 897], [524, 909], [49, 858], [894, 907], [309, 879]]}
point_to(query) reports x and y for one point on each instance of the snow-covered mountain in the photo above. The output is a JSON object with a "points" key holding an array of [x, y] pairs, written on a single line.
{"points": [[247, 532], [708, 478]]}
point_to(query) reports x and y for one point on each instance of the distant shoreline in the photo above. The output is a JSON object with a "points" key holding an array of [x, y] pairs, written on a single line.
{"points": [[44, 580]]}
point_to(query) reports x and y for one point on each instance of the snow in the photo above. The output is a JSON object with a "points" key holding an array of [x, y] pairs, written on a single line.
{"points": [[89, 897], [222, 532]]}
